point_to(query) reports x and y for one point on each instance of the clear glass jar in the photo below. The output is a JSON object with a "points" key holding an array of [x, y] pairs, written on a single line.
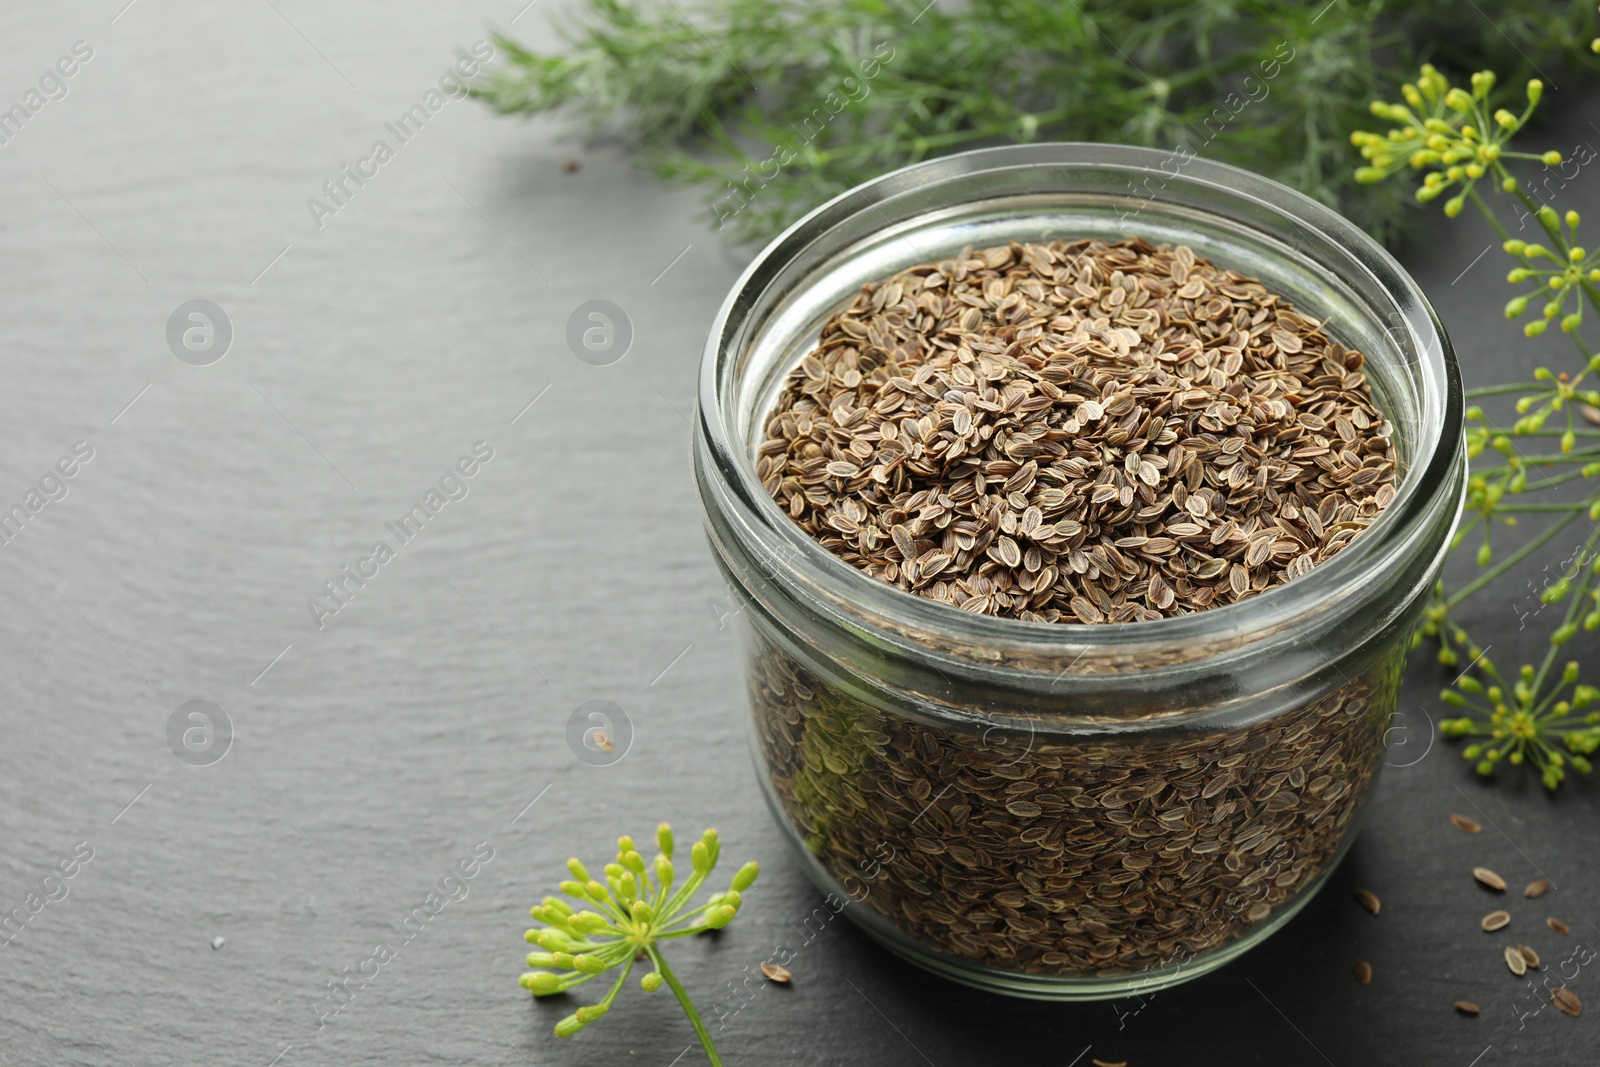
{"points": [[1069, 811]]}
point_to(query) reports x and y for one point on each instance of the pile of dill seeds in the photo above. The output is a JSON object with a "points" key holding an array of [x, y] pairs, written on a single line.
{"points": [[1078, 857], [1083, 432], [1080, 432]]}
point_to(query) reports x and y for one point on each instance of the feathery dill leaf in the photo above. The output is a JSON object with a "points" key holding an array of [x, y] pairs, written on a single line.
{"points": [[774, 107]]}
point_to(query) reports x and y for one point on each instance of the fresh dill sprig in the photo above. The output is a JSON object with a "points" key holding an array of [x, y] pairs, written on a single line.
{"points": [[773, 107], [632, 914], [1454, 137]]}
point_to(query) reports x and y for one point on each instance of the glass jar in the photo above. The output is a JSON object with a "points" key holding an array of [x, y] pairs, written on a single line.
{"points": [[1070, 811]]}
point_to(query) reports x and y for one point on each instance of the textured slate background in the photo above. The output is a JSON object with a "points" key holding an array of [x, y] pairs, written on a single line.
{"points": [[372, 755]]}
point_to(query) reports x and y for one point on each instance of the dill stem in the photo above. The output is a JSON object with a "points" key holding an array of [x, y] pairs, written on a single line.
{"points": [[687, 1005]]}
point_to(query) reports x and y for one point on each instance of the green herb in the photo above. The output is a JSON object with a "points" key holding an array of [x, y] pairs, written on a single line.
{"points": [[632, 915], [1458, 138], [773, 107]]}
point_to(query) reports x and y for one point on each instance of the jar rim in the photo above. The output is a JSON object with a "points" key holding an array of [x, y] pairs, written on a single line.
{"points": [[873, 602]]}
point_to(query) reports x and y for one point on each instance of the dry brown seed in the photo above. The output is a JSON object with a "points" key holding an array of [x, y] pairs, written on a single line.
{"points": [[1514, 960], [1557, 925], [1461, 822], [1369, 900], [775, 973], [1536, 889], [1567, 1001], [1183, 816], [1107, 1063], [1362, 970], [1057, 403], [1004, 406], [571, 166], [1489, 878], [1466, 1007], [1495, 920], [1529, 955]]}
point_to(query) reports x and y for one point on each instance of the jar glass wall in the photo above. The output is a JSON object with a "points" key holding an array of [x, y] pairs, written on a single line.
{"points": [[1069, 810]]}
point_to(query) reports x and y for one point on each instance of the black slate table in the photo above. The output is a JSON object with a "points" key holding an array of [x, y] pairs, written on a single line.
{"points": [[402, 330]]}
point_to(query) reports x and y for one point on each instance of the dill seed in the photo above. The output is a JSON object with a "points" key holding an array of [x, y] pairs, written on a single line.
{"points": [[1567, 1001], [1040, 853], [1107, 1063], [1495, 920], [1362, 970], [1529, 956], [1536, 889], [1073, 433], [1557, 925], [1369, 900], [1466, 1007], [1514, 960], [1489, 878], [775, 973], [1078, 433], [1461, 822]]}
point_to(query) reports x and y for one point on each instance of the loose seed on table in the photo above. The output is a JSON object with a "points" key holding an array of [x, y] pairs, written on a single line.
{"points": [[1362, 970], [1567, 1001], [1495, 920], [1461, 822], [775, 973], [1369, 900], [1529, 956], [1514, 960], [1489, 878], [1557, 925], [1108, 1063], [1536, 889], [1466, 1007]]}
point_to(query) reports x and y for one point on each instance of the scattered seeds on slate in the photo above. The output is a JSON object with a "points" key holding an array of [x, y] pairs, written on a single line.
{"points": [[1495, 920], [1489, 878], [1536, 889], [1557, 925], [1108, 1063], [1369, 900], [1461, 822], [1362, 970], [1529, 956], [1466, 1007], [776, 973], [1514, 960], [1567, 1001]]}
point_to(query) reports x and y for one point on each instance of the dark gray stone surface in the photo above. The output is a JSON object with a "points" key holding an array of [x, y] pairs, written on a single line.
{"points": [[429, 715]]}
